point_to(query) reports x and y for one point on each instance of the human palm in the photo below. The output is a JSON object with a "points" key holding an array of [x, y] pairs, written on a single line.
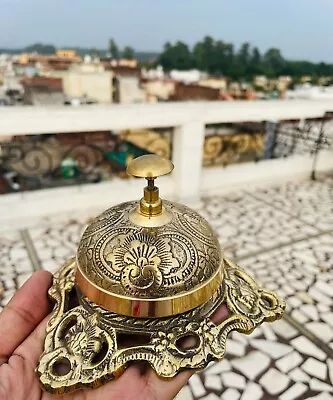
{"points": [[22, 333]]}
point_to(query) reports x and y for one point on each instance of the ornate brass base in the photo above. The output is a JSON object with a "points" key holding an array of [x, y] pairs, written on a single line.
{"points": [[84, 344]]}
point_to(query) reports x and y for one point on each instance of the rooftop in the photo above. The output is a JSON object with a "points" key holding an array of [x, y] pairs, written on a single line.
{"points": [[281, 234], [242, 165]]}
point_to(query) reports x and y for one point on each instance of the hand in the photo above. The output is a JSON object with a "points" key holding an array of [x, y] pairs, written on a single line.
{"points": [[22, 332]]}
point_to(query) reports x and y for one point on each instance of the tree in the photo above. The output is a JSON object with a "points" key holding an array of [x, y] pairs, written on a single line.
{"points": [[255, 63], [241, 63], [208, 48], [165, 58], [40, 48], [274, 62], [229, 57], [218, 57], [113, 49], [177, 56], [128, 53], [198, 56], [244, 54]]}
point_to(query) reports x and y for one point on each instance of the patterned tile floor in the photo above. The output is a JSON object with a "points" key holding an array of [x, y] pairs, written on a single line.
{"points": [[283, 235]]}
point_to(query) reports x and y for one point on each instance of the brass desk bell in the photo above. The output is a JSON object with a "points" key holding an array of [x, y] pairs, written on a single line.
{"points": [[152, 269]]}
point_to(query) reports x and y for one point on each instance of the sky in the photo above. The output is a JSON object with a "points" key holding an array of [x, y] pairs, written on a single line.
{"points": [[302, 29]]}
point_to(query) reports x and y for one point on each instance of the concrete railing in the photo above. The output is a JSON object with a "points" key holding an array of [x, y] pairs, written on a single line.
{"points": [[189, 179], [39, 120]]}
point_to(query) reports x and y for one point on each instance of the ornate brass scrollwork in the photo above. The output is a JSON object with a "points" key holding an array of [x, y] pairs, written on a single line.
{"points": [[82, 349]]}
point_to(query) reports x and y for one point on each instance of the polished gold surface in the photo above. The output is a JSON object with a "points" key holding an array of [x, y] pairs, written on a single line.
{"points": [[136, 265], [150, 204], [150, 308], [136, 217], [83, 349], [149, 166]]}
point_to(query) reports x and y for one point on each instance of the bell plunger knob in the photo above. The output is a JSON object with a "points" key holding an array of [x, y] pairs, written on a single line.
{"points": [[150, 167]]}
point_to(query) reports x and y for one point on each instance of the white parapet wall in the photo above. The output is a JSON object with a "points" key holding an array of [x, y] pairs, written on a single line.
{"points": [[42, 120], [188, 181], [263, 173]]}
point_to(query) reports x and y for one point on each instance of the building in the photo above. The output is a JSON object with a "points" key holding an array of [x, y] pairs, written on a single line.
{"points": [[152, 73], [159, 89], [4, 99], [194, 92], [127, 84], [11, 92], [235, 90], [65, 56], [42, 64], [58, 70], [189, 76], [67, 53], [283, 83], [309, 92], [43, 91], [260, 81], [325, 81], [27, 69], [217, 82], [306, 79], [124, 71], [127, 90], [90, 80], [122, 62]]}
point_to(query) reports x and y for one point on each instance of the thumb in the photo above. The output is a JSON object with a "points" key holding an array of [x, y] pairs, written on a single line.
{"points": [[32, 347]]}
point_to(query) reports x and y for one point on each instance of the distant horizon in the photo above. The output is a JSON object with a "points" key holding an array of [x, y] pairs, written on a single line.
{"points": [[301, 29], [75, 47], [135, 50]]}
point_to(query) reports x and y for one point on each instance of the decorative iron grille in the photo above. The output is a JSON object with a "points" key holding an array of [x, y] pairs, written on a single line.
{"points": [[43, 161], [303, 136]]}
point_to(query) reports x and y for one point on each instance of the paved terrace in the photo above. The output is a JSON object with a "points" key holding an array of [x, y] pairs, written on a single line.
{"points": [[283, 235]]}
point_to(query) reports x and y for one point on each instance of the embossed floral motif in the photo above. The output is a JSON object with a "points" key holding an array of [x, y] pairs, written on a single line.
{"points": [[245, 297], [208, 260], [207, 255], [144, 263], [82, 339], [141, 255], [141, 267]]}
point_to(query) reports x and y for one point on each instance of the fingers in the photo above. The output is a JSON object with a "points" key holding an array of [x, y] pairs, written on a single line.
{"points": [[220, 314], [24, 312], [130, 385], [167, 389], [32, 347]]}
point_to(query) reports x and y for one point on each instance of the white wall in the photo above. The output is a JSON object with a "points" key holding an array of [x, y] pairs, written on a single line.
{"points": [[130, 91], [96, 85], [39, 120]]}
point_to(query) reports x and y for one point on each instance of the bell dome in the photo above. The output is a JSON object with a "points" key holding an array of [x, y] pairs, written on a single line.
{"points": [[149, 258]]}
